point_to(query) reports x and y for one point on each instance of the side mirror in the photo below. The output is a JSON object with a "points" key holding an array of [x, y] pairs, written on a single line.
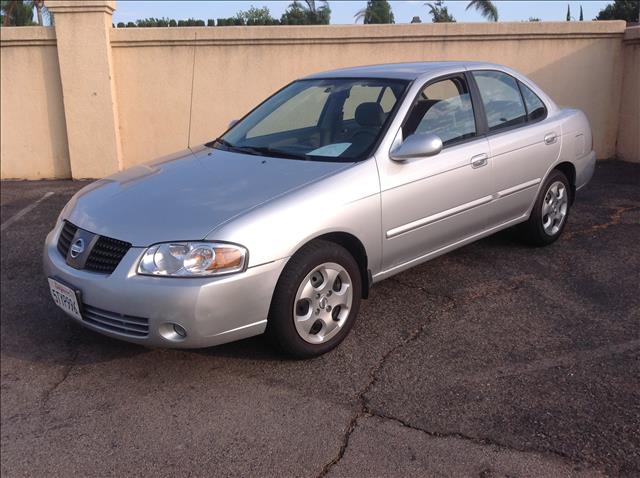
{"points": [[232, 123], [416, 146]]}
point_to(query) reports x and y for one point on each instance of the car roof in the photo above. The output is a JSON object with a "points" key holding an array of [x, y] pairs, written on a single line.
{"points": [[402, 71]]}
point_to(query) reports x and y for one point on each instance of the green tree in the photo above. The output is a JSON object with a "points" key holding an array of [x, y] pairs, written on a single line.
{"points": [[486, 8], [581, 15], [228, 22], [311, 13], [191, 22], [17, 13], [294, 15], [318, 12], [416, 19], [568, 12], [257, 16], [439, 13], [376, 11], [534, 19], [154, 22], [628, 10]]}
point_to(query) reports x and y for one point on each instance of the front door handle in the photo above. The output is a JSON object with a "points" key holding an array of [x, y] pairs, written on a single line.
{"points": [[550, 138], [479, 160]]}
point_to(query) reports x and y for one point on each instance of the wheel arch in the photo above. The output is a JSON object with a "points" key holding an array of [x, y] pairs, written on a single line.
{"points": [[569, 170], [355, 247]]}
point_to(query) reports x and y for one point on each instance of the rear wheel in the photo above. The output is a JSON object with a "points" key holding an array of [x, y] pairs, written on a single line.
{"points": [[550, 211], [316, 300]]}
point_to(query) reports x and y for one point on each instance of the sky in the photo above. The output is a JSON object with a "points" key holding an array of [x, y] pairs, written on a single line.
{"points": [[343, 11]]}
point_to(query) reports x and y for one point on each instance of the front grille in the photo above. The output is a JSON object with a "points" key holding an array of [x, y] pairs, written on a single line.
{"points": [[122, 324], [106, 255], [66, 236]]}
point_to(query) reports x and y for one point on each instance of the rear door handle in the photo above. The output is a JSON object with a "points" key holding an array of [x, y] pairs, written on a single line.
{"points": [[550, 138], [479, 160]]}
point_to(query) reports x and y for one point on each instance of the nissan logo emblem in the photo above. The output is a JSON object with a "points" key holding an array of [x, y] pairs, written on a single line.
{"points": [[77, 248]]}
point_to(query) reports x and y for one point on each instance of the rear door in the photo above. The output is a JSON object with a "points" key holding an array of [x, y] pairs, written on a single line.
{"points": [[524, 142]]}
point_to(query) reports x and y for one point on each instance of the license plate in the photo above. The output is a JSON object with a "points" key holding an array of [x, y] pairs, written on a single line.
{"points": [[65, 298]]}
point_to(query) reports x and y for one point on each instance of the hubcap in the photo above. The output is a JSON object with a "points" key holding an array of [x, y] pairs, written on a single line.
{"points": [[323, 303], [554, 208]]}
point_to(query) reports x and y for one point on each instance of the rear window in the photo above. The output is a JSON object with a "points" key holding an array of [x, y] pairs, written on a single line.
{"points": [[501, 98], [535, 107]]}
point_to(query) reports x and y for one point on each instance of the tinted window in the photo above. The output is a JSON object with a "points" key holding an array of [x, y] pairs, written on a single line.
{"points": [[368, 94], [301, 111], [444, 108], [501, 99], [324, 119], [535, 107]]}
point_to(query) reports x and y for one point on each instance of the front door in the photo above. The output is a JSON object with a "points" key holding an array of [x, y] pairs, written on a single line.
{"points": [[430, 203]]}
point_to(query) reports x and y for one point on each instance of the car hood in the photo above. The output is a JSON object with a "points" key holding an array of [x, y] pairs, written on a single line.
{"points": [[186, 195]]}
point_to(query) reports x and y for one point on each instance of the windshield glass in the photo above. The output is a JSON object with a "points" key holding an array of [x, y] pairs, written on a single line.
{"points": [[326, 120]]}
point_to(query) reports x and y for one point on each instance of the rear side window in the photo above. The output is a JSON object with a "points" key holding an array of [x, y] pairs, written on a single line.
{"points": [[535, 107], [501, 99]]}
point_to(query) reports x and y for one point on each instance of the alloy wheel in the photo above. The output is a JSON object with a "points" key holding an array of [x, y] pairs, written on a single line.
{"points": [[554, 208], [323, 302]]}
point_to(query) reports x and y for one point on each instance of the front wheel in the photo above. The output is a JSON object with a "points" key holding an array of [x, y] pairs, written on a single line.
{"points": [[550, 211], [316, 300]]}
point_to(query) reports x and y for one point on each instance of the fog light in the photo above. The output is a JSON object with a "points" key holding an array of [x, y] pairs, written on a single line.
{"points": [[172, 332], [179, 329]]}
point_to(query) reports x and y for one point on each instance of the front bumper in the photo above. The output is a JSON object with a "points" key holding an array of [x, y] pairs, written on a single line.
{"points": [[212, 310]]}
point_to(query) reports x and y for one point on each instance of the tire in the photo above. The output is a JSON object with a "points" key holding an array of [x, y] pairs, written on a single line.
{"points": [[550, 212], [316, 300]]}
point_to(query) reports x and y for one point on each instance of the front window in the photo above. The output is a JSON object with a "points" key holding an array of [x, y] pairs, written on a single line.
{"points": [[443, 108], [327, 120]]}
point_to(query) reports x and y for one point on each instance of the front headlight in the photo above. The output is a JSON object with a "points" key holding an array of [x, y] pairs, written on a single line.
{"points": [[184, 259]]}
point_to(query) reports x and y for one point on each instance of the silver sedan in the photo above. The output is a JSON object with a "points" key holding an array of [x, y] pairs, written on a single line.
{"points": [[337, 181]]}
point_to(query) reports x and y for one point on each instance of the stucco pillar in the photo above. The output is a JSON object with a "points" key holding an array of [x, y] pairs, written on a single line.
{"points": [[86, 72]]}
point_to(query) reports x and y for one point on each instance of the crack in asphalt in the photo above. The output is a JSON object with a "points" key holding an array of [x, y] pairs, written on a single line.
{"points": [[474, 440], [73, 357], [362, 408], [614, 220]]}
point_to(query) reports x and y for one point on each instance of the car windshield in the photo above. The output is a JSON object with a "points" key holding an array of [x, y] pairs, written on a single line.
{"points": [[322, 120]]}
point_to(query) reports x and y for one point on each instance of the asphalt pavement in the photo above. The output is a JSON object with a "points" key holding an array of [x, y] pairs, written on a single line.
{"points": [[495, 360]]}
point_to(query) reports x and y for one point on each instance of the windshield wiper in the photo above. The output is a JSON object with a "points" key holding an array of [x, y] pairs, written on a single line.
{"points": [[266, 151], [223, 142], [258, 150]]}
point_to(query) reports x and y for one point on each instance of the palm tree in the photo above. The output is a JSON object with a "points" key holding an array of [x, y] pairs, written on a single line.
{"points": [[439, 13], [486, 8], [376, 11], [320, 14], [17, 12]]}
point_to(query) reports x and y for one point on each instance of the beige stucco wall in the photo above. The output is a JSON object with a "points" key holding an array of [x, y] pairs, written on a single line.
{"points": [[88, 85], [33, 135], [179, 87], [628, 147]]}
